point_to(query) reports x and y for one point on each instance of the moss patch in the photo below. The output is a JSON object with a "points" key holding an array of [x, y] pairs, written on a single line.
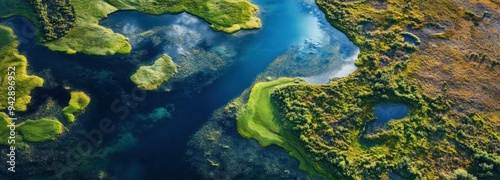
{"points": [[86, 36], [78, 102], [259, 120], [151, 77], [40, 130], [24, 83], [452, 129], [223, 15]]}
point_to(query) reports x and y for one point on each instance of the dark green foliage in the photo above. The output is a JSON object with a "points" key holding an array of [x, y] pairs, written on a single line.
{"points": [[55, 17]]}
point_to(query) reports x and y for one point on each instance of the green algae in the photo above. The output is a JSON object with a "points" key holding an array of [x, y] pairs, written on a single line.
{"points": [[78, 102], [151, 77]]}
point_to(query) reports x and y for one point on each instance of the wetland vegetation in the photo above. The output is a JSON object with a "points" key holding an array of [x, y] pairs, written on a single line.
{"points": [[327, 122], [78, 102], [151, 77], [73, 27]]}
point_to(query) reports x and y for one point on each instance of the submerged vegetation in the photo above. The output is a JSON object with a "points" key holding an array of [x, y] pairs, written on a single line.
{"points": [[39, 130], [72, 26], [448, 133], [151, 77], [78, 102]]}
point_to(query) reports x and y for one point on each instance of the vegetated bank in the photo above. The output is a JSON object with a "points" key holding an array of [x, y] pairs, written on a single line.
{"points": [[72, 26], [449, 132]]}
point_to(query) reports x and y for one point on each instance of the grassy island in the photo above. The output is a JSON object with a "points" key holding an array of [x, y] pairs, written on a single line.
{"points": [[24, 83], [78, 102], [30, 130], [151, 77], [439, 57], [73, 27], [40, 130]]}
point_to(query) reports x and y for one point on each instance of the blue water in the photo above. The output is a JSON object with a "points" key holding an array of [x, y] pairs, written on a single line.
{"points": [[160, 151], [385, 112]]}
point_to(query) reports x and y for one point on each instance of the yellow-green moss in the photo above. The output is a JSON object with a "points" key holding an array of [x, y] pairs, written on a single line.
{"points": [[223, 15], [151, 77], [258, 120], [78, 102], [24, 83], [40, 130], [90, 38]]}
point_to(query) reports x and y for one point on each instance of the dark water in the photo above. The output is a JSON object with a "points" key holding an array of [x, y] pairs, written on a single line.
{"points": [[160, 151], [384, 112]]}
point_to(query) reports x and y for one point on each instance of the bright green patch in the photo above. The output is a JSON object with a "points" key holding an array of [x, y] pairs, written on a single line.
{"points": [[24, 83], [259, 121], [90, 38], [5, 131], [29, 131], [78, 102], [223, 15], [327, 123], [151, 77], [40, 130]]}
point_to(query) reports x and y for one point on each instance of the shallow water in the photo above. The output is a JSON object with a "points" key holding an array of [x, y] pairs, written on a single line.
{"points": [[160, 151]]}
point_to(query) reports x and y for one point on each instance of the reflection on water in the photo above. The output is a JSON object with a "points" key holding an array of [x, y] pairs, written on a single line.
{"points": [[294, 30], [387, 111]]}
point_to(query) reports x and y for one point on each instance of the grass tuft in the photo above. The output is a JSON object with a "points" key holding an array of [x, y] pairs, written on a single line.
{"points": [[78, 102], [151, 77]]}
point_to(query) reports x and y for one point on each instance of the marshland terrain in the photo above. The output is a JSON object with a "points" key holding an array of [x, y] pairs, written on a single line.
{"points": [[219, 89]]}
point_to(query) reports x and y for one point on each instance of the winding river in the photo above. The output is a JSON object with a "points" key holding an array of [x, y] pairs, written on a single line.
{"points": [[160, 149]]}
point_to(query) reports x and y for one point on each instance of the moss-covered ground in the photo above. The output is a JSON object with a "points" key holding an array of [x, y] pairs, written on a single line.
{"points": [[259, 120], [78, 102], [151, 77], [86, 36], [223, 15], [439, 57], [24, 83], [39, 130]]}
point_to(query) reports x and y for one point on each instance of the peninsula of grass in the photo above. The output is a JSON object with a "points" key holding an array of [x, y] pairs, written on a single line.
{"points": [[151, 77], [258, 120], [10, 59], [40, 130], [87, 36], [223, 15], [78, 102], [447, 79]]}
